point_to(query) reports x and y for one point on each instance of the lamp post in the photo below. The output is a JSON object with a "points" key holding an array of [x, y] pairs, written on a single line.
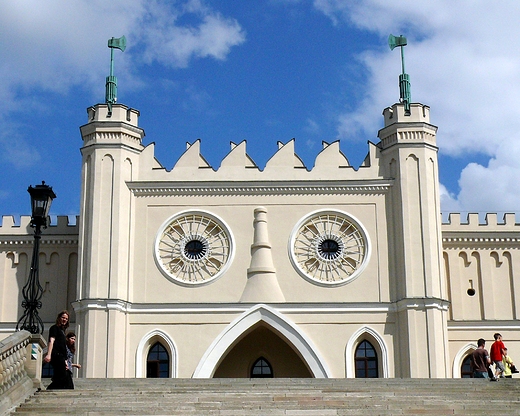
{"points": [[41, 199]]}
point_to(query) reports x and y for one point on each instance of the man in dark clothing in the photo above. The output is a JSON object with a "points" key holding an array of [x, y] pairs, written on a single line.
{"points": [[57, 352], [480, 360]]}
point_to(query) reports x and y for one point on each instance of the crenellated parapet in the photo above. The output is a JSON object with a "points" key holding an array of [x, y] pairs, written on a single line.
{"points": [[62, 224], [491, 233], [118, 127], [406, 129], [472, 222], [62, 231], [285, 165]]}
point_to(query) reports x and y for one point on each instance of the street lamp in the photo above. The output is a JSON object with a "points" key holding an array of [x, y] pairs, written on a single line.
{"points": [[41, 199]]}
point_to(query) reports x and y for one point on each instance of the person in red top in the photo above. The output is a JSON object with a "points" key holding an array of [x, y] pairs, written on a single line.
{"points": [[497, 353]]}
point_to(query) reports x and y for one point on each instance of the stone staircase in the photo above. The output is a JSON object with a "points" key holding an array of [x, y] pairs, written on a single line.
{"points": [[100, 397]]}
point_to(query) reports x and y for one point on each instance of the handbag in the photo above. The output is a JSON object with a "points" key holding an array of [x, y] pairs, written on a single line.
{"points": [[514, 369]]}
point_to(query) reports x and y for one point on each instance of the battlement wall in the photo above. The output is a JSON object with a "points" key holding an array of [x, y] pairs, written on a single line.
{"points": [[284, 165], [60, 225], [471, 222]]}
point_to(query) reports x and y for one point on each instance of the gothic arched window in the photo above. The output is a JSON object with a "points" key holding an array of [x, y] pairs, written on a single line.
{"points": [[158, 362], [261, 369], [366, 361], [465, 368]]}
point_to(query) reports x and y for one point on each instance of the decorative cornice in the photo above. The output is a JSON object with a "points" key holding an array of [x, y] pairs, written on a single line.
{"points": [[86, 305], [408, 137], [423, 304], [145, 189], [487, 325], [28, 241], [108, 137], [482, 243]]}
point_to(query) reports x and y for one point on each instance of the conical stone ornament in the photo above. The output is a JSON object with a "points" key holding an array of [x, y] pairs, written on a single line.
{"points": [[262, 284]]}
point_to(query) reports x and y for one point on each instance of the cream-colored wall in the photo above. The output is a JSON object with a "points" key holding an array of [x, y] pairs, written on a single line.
{"points": [[465, 326], [485, 256], [194, 332], [282, 215], [399, 301], [57, 269]]}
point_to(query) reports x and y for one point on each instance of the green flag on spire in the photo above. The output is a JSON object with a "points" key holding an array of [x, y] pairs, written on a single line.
{"points": [[111, 81]]}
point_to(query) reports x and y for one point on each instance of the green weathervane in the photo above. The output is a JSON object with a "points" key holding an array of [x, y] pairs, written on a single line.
{"points": [[404, 78], [111, 84]]}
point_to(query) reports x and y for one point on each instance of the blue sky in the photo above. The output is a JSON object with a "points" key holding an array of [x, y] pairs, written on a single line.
{"points": [[262, 71]]}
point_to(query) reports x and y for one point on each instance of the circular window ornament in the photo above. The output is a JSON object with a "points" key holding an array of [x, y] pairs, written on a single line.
{"points": [[329, 248], [193, 248]]}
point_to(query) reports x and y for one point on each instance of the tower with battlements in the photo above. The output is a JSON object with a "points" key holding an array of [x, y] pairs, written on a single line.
{"points": [[325, 271]]}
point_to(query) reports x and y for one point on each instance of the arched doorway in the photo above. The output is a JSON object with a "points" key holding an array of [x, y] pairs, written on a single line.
{"points": [[262, 341]]}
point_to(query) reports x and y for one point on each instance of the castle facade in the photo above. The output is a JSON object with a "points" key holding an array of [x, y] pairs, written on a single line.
{"points": [[288, 271]]}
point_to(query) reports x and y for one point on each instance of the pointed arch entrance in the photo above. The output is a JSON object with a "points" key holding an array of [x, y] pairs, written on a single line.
{"points": [[261, 332], [262, 341]]}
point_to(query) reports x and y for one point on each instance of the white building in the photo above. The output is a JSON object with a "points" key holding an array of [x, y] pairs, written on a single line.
{"points": [[286, 272]]}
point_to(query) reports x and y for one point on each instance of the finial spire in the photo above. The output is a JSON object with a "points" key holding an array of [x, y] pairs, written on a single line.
{"points": [[111, 82], [404, 78], [262, 283]]}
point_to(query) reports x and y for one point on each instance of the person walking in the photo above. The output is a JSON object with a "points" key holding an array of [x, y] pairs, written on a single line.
{"points": [[480, 360], [71, 350], [57, 352], [509, 366], [497, 355]]}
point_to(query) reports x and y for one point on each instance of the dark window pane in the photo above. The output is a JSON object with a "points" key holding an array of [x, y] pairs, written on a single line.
{"points": [[47, 370], [465, 368], [261, 368], [366, 361], [157, 362]]}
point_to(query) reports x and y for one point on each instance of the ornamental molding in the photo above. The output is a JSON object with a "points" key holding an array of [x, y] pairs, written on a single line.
{"points": [[489, 325], [227, 308], [28, 241], [408, 136], [144, 189], [85, 305], [481, 243], [422, 304]]}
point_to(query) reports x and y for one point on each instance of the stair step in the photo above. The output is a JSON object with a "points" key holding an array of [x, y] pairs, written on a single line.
{"points": [[107, 397]]}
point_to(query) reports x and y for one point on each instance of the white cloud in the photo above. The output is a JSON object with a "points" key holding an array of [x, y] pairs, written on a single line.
{"points": [[494, 187], [448, 200], [174, 44], [55, 44], [463, 62]]}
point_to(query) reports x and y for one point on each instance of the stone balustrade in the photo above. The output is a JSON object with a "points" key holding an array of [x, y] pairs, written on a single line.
{"points": [[20, 368]]}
